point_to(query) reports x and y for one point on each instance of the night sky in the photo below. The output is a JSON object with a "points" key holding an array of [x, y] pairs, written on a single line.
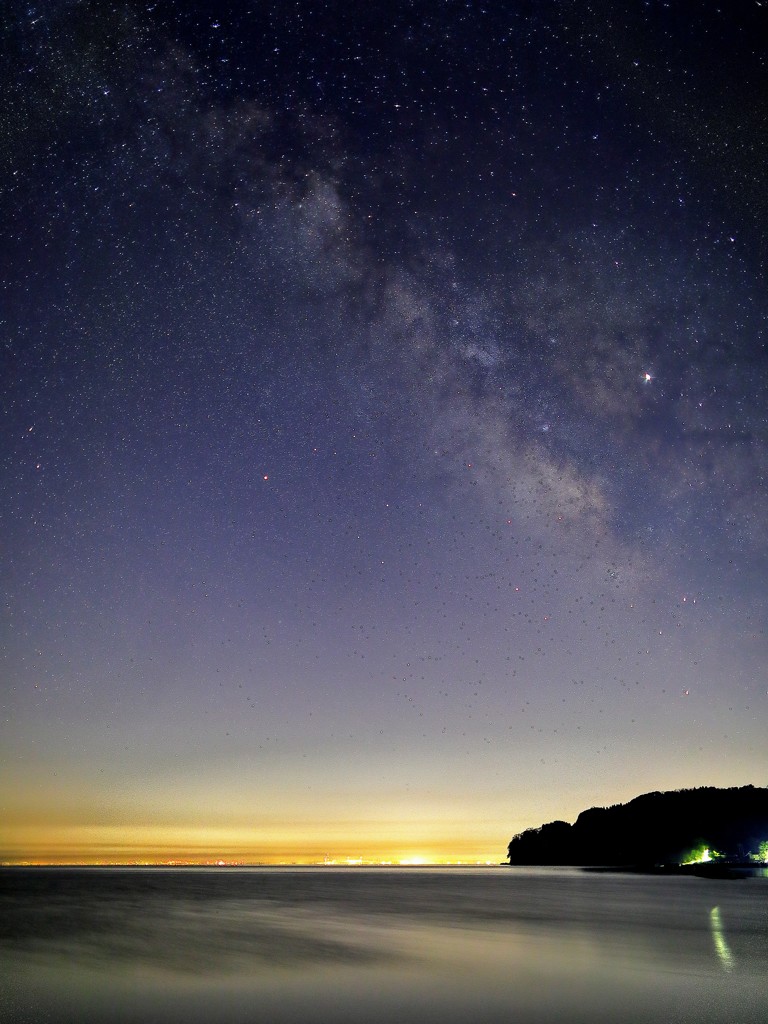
{"points": [[385, 421]]}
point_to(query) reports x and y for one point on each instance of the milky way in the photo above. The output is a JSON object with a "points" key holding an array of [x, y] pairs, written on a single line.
{"points": [[384, 462]]}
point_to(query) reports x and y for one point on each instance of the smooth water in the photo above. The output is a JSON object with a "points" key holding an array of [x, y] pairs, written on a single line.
{"points": [[230, 946]]}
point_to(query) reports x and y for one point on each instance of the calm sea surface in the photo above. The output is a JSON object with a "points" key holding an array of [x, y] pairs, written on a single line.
{"points": [[225, 946]]}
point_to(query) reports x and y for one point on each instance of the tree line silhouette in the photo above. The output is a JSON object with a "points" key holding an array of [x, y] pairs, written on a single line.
{"points": [[655, 828]]}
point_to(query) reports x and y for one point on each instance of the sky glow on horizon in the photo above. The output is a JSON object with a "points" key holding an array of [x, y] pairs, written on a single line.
{"points": [[384, 463]]}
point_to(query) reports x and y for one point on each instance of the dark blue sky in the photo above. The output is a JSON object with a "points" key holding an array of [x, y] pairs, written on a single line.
{"points": [[384, 460]]}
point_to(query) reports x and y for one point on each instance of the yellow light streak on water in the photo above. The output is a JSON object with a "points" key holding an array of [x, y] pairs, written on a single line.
{"points": [[722, 948]]}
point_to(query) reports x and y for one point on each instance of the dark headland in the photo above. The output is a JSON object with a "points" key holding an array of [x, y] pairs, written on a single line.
{"points": [[706, 830]]}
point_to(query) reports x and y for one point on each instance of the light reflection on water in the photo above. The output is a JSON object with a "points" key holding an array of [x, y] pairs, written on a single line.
{"points": [[209, 946]]}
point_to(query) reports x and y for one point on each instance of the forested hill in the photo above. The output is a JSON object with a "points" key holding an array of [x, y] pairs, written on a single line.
{"points": [[655, 828]]}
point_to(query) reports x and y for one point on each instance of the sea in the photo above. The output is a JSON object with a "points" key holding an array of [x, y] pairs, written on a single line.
{"points": [[409, 946]]}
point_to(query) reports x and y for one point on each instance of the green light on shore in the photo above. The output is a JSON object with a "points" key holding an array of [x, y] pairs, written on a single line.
{"points": [[700, 855]]}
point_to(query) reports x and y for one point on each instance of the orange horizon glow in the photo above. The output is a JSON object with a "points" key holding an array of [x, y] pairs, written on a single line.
{"points": [[224, 847], [331, 858], [349, 862], [342, 859]]}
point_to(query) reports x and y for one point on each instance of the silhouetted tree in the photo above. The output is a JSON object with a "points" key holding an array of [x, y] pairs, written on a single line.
{"points": [[655, 828]]}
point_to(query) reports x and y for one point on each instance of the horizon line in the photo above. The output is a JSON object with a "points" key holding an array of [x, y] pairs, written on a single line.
{"points": [[345, 863]]}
